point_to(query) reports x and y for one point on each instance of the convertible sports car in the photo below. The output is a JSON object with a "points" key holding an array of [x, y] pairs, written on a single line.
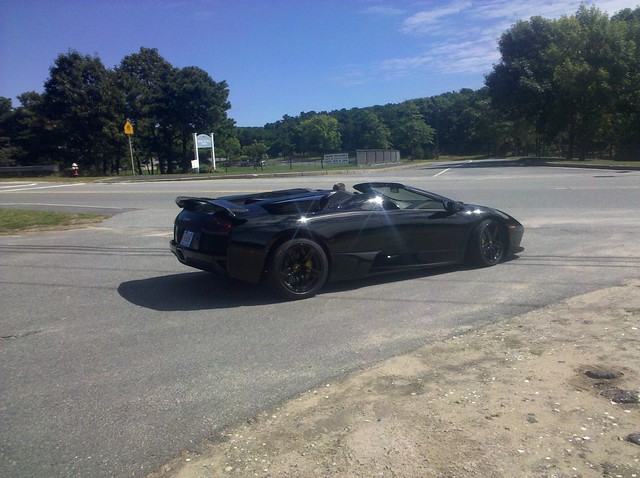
{"points": [[297, 239]]}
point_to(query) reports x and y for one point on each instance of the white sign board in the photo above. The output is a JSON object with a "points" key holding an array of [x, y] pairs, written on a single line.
{"points": [[336, 159], [203, 141]]}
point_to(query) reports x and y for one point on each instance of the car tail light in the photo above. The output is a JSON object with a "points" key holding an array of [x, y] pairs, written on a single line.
{"points": [[221, 225]]}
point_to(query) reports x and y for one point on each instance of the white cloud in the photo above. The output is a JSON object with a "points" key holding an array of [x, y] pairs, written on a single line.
{"points": [[461, 37], [423, 20], [614, 6], [446, 57], [384, 11], [523, 10]]}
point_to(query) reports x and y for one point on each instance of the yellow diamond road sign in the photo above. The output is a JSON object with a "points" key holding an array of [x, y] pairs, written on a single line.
{"points": [[128, 128]]}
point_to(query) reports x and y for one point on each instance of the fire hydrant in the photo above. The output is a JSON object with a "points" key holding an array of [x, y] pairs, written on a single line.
{"points": [[74, 168]]}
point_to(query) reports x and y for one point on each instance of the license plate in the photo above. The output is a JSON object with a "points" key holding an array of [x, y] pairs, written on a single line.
{"points": [[187, 239]]}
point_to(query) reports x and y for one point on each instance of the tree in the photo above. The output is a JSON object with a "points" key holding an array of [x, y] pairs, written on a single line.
{"points": [[320, 134], [625, 127], [522, 83], [282, 136], [194, 102], [582, 56], [572, 77], [7, 148], [80, 106], [142, 77], [228, 147], [30, 131], [362, 129], [169, 104], [256, 151], [412, 133]]}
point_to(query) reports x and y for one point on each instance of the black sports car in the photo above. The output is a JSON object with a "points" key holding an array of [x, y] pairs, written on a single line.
{"points": [[297, 239]]}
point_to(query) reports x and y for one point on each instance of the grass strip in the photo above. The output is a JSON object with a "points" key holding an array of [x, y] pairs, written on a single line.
{"points": [[20, 220]]}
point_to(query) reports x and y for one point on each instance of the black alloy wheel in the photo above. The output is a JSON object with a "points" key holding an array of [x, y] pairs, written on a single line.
{"points": [[487, 245], [299, 269]]}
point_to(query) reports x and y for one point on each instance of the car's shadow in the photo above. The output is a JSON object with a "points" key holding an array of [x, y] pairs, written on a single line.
{"points": [[203, 290], [193, 291]]}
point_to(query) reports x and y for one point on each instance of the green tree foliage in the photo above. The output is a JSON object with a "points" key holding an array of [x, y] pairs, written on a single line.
{"points": [[320, 134], [81, 114], [29, 131], [412, 133], [193, 102], [584, 59], [81, 105], [282, 136], [18, 130], [229, 147], [256, 151], [169, 104], [363, 129], [141, 77], [625, 128], [573, 79], [8, 150]]}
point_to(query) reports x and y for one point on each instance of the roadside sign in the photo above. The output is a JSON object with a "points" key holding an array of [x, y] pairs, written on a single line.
{"points": [[128, 130], [204, 141]]}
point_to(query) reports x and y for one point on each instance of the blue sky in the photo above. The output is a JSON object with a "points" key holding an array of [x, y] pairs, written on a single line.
{"points": [[279, 57]]}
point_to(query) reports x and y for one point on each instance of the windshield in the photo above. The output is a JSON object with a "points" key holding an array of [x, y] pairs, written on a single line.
{"points": [[388, 196], [407, 198]]}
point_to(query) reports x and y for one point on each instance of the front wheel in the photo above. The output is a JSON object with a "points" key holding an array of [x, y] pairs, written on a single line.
{"points": [[298, 270], [487, 244]]}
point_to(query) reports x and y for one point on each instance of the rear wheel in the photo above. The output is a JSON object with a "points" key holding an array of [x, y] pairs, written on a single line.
{"points": [[298, 270], [487, 243]]}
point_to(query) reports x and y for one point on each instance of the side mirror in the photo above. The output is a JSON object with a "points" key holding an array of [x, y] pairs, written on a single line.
{"points": [[452, 206]]}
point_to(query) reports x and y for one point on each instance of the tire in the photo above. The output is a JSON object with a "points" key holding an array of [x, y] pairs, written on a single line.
{"points": [[487, 244], [298, 270]]}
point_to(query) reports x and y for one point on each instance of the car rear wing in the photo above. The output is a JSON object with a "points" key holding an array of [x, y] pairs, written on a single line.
{"points": [[208, 205]]}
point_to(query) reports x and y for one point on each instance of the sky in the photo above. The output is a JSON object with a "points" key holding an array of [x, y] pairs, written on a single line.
{"points": [[279, 57]]}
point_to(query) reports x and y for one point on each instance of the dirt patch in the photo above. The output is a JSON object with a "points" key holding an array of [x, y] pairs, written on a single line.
{"points": [[523, 397]]}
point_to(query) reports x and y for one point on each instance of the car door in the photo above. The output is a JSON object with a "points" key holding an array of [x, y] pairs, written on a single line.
{"points": [[429, 235]]}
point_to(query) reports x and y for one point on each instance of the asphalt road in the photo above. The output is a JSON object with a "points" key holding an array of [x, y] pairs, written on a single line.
{"points": [[114, 357]]}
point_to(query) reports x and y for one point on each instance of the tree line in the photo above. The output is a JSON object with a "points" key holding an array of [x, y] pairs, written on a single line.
{"points": [[565, 87], [80, 116]]}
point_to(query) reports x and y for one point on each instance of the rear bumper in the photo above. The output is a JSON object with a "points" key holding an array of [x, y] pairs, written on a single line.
{"points": [[196, 259]]}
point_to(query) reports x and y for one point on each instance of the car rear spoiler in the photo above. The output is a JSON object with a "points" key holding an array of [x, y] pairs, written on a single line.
{"points": [[210, 205]]}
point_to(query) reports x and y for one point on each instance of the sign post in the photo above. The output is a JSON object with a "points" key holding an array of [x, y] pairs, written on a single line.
{"points": [[128, 130], [204, 141], [195, 164], [213, 152]]}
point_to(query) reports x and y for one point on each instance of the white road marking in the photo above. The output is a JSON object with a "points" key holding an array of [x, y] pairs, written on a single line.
{"points": [[33, 187], [15, 185]]}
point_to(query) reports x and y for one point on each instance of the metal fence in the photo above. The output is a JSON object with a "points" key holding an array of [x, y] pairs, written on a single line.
{"points": [[42, 169]]}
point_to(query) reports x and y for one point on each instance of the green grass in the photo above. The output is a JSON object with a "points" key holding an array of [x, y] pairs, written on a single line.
{"points": [[21, 220]]}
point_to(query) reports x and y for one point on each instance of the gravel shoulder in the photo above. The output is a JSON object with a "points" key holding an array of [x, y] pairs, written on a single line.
{"points": [[552, 393]]}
